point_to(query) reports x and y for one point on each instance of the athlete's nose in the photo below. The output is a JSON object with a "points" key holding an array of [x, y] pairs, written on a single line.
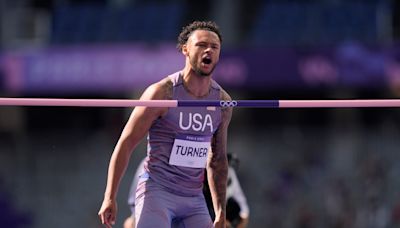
{"points": [[208, 49]]}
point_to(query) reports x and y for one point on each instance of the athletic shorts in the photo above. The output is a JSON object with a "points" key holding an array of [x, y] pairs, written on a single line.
{"points": [[156, 207]]}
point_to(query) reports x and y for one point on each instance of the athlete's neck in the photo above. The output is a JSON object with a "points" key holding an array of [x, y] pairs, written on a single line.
{"points": [[196, 85]]}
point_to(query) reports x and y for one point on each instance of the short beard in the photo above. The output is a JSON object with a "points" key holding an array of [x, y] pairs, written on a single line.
{"points": [[200, 72]]}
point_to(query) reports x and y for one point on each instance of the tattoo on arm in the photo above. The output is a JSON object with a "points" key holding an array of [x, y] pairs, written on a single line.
{"points": [[218, 169], [218, 163]]}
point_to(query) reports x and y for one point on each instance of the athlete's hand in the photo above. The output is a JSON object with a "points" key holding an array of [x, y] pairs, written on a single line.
{"points": [[219, 223], [108, 212]]}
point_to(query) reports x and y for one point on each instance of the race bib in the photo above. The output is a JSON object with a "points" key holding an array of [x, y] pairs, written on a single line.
{"points": [[190, 151]]}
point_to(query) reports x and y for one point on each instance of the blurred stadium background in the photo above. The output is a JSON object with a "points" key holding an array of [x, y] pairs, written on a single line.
{"points": [[299, 168]]}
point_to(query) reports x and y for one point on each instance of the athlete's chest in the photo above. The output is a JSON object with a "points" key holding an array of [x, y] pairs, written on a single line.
{"points": [[197, 120]]}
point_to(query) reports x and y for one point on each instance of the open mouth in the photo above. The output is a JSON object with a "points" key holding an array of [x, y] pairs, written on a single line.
{"points": [[206, 60]]}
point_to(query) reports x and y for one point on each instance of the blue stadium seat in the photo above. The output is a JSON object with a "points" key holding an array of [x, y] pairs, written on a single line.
{"points": [[280, 23], [292, 23], [64, 24], [349, 21], [89, 24]]}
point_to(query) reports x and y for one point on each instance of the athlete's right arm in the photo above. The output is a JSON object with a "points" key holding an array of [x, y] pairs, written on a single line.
{"points": [[135, 129]]}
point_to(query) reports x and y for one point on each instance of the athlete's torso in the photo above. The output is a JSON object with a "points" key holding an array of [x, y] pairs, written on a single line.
{"points": [[186, 131]]}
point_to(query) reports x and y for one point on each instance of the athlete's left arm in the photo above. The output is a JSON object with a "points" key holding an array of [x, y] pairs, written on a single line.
{"points": [[217, 165]]}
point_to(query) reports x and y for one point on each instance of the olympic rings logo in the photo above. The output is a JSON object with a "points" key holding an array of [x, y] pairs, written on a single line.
{"points": [[228, 103]]}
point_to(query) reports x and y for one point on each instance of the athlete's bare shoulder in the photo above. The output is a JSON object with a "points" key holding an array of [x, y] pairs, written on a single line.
{"points": [[226, 111], [224, 95], [161, 90]]}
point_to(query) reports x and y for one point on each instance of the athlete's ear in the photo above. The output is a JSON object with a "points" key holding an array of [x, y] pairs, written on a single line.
{"points": [[185, 50]]}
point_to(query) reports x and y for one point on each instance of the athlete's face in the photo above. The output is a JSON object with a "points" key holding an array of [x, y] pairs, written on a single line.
{"points": [[202, 49]]}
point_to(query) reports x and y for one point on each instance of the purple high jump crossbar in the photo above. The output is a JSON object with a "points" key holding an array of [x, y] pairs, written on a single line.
{"points": [[350, 103]]}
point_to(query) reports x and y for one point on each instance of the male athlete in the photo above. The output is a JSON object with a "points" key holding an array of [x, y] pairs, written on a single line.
{"points": [[181, 143]]}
